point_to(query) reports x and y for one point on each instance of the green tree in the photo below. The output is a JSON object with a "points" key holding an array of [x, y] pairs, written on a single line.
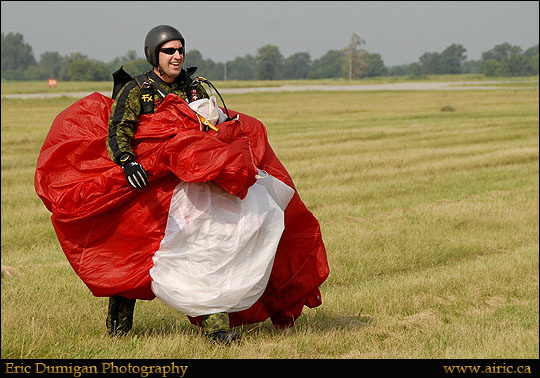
{"points": [[399, 70], [534, 65], [430, 63], [17, 55], [375, 66], [355, 63], [241, 68], [205, 67], [472, 66], [52, 63], [415, 71], [297, 66], [194, 58], [501, 52], [532, 55], [68, 60], [136, 66], [116, 63], [215, 70], [74, 57], [491, 67], [268, 63], [131, 62], [35, 73], [531, 52], [452, 58], [131, 55], [86, 70], [512, 61], [330, 65], [516, 65], [450, 61]]}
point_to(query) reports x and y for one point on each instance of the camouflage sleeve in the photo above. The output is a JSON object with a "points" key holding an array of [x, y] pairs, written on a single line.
{"points": [[123, 121], [201, 92]]}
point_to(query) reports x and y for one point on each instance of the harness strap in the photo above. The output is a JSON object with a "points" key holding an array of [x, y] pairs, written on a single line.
{"points": [[147, 86], [120, 78], [147, 94]]}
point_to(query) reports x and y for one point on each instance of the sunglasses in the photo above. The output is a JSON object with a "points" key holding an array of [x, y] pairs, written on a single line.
{"points": [[172, 50]]}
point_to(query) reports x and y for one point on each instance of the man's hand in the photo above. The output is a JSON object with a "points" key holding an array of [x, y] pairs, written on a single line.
{"points": [[135, 174]]}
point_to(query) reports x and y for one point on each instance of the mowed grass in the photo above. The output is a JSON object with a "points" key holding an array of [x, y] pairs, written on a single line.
{"points": [[41, 86], [428, 205]]}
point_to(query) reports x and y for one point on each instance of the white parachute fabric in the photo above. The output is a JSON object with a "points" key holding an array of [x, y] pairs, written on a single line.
{"points": [[218, 250], [208, 109]]}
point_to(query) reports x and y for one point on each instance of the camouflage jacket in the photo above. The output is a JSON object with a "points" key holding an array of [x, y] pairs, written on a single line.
{"points": [[127, 108]]}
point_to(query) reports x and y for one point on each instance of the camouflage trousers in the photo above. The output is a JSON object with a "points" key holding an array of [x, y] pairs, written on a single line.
{"points": [[120, 315], [216, 326], [215, 322], [120, 320]]}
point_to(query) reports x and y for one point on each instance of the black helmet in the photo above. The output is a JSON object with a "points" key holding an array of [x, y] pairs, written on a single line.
{"points": [[155, 38]]}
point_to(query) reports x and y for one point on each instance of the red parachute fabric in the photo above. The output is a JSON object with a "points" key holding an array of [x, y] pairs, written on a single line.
{"points": [[109, 231]]}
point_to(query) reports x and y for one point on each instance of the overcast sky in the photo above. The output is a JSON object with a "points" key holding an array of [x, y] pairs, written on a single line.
{"points": [[400, 31]]}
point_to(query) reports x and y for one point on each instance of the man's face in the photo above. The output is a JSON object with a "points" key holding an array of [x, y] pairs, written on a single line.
{"points": [[171, 64]]}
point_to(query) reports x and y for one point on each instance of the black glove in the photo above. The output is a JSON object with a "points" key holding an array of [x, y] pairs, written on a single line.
{"points": [[135, 174]]}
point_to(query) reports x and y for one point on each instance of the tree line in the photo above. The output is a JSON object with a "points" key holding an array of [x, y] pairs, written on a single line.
{"points": [[350, 62]]}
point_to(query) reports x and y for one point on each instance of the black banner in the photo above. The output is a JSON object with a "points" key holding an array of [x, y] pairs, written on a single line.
{"points": [[237, 368]]}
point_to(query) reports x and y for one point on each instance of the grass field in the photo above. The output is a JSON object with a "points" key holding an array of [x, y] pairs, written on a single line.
{"points": [[428, 204], [11, 86]]}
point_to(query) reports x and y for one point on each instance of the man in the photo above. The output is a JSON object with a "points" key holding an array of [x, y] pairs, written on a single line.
{"points": [[165, 50]]}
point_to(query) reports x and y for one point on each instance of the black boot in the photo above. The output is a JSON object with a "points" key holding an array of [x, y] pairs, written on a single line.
{"points": [[120, 316], [216, 326]]}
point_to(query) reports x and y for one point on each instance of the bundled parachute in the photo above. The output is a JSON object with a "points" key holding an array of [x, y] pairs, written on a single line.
{"points": [[206, 192]]}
